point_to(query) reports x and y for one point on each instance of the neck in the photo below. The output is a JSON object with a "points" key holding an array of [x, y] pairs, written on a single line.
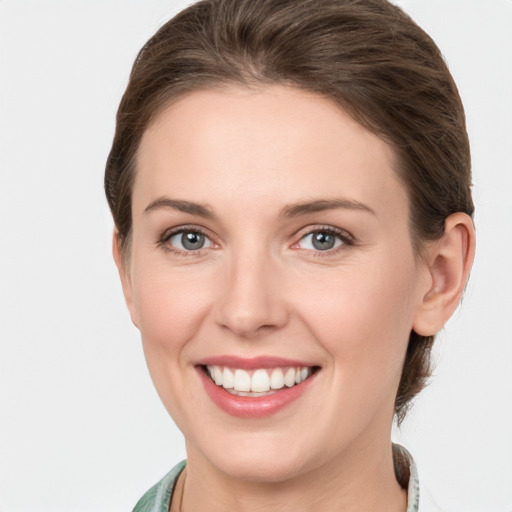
{"points": [[361, 480]]}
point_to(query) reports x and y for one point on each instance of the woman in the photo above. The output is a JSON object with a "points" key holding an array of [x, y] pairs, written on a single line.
{"points": [[290, 184]]}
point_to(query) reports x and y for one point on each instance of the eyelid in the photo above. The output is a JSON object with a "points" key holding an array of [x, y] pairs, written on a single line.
{"points": [[346, 238], [167, 234]]}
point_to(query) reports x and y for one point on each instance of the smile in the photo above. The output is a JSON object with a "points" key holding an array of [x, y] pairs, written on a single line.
{"points": [[256, 387], [258, 382]]}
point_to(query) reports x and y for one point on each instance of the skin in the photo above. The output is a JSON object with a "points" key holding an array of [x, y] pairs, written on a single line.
{"points": [[259, 287]]}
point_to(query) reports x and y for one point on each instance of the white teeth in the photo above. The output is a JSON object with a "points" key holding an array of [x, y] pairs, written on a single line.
{"points": [[217, 375], [228, 379], [260, 381], [289, 378], [263, 380], [242, 381], [277, 379]]}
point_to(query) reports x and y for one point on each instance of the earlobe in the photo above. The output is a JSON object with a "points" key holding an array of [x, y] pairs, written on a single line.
{"points": [[449, 262], [124, 275]]}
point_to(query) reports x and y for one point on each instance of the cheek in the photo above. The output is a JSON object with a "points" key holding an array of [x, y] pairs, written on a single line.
{"points": [[170, 307], [363, 319], [363, 323]]}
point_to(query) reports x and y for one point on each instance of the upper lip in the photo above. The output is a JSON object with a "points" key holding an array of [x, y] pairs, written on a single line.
{"points": [[252, 363]]}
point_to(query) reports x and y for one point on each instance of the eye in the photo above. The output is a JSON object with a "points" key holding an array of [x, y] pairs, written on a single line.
{"points": [[322, 240], [189, 240]]}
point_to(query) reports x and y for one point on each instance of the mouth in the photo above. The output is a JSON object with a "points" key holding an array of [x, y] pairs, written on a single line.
{"points": [[259, 381], [255, 387]]}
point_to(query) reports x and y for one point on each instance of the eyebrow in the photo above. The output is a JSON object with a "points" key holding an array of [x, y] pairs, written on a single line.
{"points": [[297, 209], [182, 206], [293, 210]]}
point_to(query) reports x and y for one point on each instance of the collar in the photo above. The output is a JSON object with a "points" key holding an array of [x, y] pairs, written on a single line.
{"points": [[158, 498], [407, 476]]}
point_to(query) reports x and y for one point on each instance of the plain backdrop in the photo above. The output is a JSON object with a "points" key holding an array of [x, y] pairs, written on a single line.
{"points": [[81, 427]]}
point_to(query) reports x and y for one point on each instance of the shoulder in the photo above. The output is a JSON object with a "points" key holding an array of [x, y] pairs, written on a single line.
{"points": [[158, 498]]}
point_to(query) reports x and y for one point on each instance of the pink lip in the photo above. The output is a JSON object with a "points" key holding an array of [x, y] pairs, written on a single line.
{"points": [[247, 406], [252, 363]]}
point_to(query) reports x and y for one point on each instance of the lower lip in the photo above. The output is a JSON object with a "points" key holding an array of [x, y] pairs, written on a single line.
{"points": [[253, 406]]}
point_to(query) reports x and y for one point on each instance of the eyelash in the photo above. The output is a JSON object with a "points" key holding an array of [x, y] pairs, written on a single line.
{"points": [[167, 235], [346, 239]]}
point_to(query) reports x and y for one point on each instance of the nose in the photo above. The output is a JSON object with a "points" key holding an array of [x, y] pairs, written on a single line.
{"points": [[251, 298]]}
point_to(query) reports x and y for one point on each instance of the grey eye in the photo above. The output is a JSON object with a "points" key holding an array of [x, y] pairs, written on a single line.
{"points": [[323, 241], [189, 241], [320, 241]]}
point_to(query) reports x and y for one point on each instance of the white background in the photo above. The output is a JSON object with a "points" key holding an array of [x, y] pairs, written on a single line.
{"points": [[81, 428]]}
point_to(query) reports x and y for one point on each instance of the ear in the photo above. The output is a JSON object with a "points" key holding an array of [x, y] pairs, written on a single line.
{"points": [[124, 274], [449, 262]]}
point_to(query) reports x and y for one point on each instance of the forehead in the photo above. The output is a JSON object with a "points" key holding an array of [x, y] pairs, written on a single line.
{"points": [[269, 143]]}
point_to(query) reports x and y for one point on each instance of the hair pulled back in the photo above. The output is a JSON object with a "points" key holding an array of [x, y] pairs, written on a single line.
{"points": [[367, 56]]}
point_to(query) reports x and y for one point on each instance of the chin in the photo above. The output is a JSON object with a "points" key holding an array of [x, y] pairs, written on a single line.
{"points": [[260, 468], [266, 459]]}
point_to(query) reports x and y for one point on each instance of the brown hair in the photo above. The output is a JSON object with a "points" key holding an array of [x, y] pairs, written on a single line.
{"points": [[366, 55]]}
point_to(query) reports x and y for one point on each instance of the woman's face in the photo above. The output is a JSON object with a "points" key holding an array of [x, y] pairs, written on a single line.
{"points": [[270, 234]]}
